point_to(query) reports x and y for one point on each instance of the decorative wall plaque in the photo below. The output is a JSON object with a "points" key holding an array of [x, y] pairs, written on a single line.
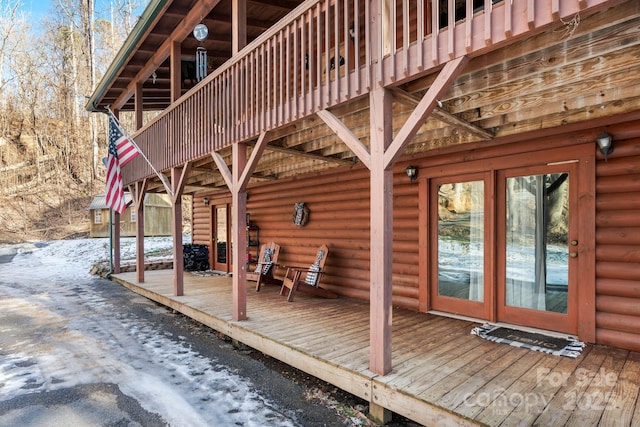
{"points": [[300, 214]]}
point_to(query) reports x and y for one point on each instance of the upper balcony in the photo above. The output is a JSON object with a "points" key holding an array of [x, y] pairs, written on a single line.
{"points": [[534, 64]]}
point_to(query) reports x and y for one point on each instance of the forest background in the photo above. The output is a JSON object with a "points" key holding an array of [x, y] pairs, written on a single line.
{"points": [[51, 148]]}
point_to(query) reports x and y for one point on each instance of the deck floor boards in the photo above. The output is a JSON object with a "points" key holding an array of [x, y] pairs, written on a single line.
{"points": [[441, 373]]}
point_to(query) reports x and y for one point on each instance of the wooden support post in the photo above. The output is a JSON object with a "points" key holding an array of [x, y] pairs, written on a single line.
{"points": [[178, 178], [379, 414], [178, 254], [383, 154], [238, 25], [138, 191], [116, 242], [238, 215], [176, 70], [139, 105], [140, 242], [237, 183], [381, 194]]}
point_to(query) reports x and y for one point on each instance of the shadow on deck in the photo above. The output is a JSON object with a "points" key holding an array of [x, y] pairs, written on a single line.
{"points": [[441, 374]]}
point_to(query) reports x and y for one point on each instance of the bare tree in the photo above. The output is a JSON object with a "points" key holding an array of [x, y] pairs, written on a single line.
{"points": [[11, 30], [10, 23], [50, 147]]}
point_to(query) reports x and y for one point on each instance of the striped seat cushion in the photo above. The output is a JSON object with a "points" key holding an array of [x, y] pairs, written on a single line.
{"points": [[312, 275], [265, 264]]}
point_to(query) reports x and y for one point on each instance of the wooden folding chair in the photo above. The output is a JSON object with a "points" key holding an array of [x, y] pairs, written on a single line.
{"points": [[307, 279]]}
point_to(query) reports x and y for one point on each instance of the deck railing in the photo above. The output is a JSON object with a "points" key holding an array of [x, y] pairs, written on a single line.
{"points": [[323, 54]]}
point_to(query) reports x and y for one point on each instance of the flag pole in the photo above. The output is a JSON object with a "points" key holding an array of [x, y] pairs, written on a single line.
{"points": [[163, 178]]}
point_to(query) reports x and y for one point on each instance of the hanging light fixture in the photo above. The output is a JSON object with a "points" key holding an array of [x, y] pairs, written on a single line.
{"points": [[412, 172], [605, 143]]}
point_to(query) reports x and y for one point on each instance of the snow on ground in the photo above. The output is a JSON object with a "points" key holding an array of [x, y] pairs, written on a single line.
{"points": [[79, 337]]}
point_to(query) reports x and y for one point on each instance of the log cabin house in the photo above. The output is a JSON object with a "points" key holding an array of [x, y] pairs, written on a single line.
{"points": [[513, 212]]}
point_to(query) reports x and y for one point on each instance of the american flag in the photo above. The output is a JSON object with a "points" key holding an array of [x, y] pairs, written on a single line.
{"points": [[121, 151]]}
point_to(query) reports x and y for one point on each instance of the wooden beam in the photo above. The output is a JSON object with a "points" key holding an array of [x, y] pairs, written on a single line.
{"points": [[258, 149], [443, 115], [256, 24], [224, 169], [345, 134], [447, 76], [299, 153], [191, 189]]}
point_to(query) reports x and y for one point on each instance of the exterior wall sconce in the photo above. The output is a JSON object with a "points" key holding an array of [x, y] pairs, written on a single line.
{"points": [[205, 201], [412, 172], [605, 143]]}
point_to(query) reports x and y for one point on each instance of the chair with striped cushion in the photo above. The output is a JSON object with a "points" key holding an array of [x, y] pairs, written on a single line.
{"points": [[307, 279], [267, 263]]}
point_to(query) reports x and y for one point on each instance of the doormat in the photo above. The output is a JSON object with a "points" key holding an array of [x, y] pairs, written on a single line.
{"points": [[208, 273], [568, 347]]}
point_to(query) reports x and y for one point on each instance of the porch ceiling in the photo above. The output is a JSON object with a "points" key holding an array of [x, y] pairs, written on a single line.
{"points": [[586, 70], [156, 90]]}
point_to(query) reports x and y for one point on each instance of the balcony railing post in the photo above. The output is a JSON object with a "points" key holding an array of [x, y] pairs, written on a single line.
{"points": [[375, 40]]}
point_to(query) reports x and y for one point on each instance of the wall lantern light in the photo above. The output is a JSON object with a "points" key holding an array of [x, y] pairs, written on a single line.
{"points": [[412, 172], [205, 201], [605, 143]]}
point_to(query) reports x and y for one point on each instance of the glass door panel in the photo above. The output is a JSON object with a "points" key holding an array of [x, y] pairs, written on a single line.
{"points": [[458, 224], [221, 237], [537, 242], [537, 216], [461, 240]]}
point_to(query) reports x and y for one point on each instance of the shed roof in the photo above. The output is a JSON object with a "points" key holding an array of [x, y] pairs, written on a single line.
{"points": [[99, 202], [150, 199]]}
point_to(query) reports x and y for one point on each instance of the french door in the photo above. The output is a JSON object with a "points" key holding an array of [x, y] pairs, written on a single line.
{"points": [[221, 237], [503, 245], [461, 224], [537, 216]]}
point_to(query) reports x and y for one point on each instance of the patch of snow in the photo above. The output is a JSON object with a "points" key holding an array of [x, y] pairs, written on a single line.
{"points": [[77, 336]]}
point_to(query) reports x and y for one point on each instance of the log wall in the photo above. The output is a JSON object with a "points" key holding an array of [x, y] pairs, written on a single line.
{"points": [[338, 201], [618, 244]]}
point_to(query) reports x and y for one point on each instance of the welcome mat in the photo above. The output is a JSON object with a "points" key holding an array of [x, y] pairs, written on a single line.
{"points": [[207, 273], [568, 347]]}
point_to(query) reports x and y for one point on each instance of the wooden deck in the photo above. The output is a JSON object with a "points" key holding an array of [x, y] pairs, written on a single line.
{"points": [[441, 374]]}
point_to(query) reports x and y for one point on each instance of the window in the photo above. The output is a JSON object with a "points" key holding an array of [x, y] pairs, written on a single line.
{"points": [[133, 215], [97, 216]]}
